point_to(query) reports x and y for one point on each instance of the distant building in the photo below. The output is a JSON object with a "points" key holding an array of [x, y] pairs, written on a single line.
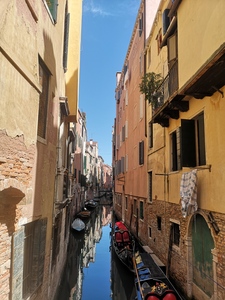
{"points": [[107, 177]]}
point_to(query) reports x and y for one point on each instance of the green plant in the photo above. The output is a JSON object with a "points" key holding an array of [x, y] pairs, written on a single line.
{"points": [[149, 85]]}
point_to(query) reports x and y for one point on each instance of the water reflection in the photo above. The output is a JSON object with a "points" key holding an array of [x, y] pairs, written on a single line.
{"points": [[92, 271]]}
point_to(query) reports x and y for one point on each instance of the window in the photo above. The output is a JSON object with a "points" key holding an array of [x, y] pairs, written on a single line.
{"points": [[66, 39], [135, 207], [123, 133], [44, 76], [150, 186], [53, 6], [126, 163], [150, 232], [126, 202], [149, 56], [188, 144], [141, 63], [172, 48], [122, 164], [175, 150], [175, 234], [150, 134], [126, 129], [141, 106], [159, 223], [34, 256], [142, 210], [126, 97], [159, 40], [141, 153], [140, 25]]}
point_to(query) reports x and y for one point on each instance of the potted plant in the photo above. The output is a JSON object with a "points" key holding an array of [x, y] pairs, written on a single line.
{"points": [[149, 86]]}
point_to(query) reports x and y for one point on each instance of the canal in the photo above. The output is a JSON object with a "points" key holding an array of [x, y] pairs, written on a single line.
{"points": [[92, 270]]}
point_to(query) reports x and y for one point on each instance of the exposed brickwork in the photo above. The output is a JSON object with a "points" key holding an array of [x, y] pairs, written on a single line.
{"points": [[159, 241], [16, 163]]}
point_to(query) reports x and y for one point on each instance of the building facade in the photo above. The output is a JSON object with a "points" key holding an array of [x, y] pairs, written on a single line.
{"points": [[184, 122], [130, 136], [39, 66], [183, 85]]}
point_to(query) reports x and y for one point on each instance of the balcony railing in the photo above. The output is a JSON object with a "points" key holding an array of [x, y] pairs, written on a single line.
{"points": [[166, 89]]}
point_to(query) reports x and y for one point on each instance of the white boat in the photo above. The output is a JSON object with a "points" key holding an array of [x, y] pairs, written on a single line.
{"points": [[78, 224]]}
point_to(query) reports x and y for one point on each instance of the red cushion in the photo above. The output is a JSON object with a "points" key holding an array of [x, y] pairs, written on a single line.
{"points": [[126, 237], [170, 296], [152, 297], [118, 236]]}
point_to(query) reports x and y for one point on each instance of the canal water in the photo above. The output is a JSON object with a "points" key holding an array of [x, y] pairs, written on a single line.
{"points": [[92, 269]]}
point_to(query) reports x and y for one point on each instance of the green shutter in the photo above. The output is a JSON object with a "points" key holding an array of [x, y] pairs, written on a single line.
{"points": [[53, 6], [66, 41]]}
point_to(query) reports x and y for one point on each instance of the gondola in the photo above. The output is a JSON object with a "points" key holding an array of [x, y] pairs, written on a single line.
{"points": [[123, 244], [90, 204], [150, 281], [84, 214]]}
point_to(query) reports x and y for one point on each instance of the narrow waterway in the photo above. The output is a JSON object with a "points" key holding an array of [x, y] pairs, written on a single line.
{"points": [[92, 270]]}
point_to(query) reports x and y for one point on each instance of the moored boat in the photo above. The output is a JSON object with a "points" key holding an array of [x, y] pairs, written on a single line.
{"points": [[90, 204], [78, 224], [123, 244], [150, 281], [84, 214]]}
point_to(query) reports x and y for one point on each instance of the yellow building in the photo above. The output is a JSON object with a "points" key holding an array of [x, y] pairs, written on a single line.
{"points": [[36, 136], [186, 47]]}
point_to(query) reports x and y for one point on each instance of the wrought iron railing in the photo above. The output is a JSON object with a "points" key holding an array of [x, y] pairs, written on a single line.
{"points": [[166, 89]]}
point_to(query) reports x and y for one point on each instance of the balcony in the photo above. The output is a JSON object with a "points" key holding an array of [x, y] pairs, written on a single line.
{"points": [[166, 101]]}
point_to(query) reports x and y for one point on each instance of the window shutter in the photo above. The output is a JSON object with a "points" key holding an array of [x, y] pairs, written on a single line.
{"points": [[53, 6], [172, 47], [122, 165], [188, 146], [126, 98], [178, 149], [166, 20], [141, 153], [141, 106], [123, 133], [201, 139], [150, 128], [126, 163], [126, 129], [66, 41]]}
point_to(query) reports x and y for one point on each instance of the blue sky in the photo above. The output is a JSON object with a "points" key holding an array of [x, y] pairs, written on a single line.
{"points": [[107, 26]]}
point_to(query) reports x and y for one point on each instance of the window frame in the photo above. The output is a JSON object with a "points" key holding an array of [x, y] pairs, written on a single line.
{"points": [[150, 134], [175, 234], [187, 144], [53, 9], [141, 207], [159, 223], [141, 152], [150, 186], [44, 81]]}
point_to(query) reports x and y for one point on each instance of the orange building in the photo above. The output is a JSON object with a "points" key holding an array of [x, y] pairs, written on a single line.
{"points": [[129, 140]]}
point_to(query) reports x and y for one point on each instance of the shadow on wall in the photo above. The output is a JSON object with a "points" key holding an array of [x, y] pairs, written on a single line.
{"points": [[9, 199]]}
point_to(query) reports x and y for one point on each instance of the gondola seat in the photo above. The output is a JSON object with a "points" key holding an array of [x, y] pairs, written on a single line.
{"points": [[119, 239], [126, 238]]}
